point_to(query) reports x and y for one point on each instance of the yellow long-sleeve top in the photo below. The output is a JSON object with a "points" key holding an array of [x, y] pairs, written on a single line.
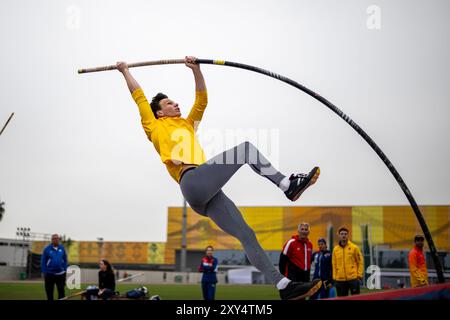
{"points": [[348, 262], [174, 137]]}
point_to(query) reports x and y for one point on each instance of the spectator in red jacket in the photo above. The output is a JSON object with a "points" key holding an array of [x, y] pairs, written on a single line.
{"points": [[295, 259]]}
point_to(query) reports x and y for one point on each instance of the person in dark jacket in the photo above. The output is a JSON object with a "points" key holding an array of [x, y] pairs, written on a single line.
{"points": [[106, 280], [295, 258], [54, 266], [209, 266], [323, 270]]}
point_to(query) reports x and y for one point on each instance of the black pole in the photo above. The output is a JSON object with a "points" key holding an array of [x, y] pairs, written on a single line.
{"points": [[7, 121], [365, 136], [332, 107]]}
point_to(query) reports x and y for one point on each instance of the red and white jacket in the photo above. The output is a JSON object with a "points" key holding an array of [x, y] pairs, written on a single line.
{"points": [[298, 253]]}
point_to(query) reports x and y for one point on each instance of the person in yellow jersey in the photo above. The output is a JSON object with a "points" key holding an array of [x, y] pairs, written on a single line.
{"points": [[348, 265], [201, 181]]}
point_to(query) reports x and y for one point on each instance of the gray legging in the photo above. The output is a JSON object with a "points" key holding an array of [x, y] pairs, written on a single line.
{"points": [[201, 187]]}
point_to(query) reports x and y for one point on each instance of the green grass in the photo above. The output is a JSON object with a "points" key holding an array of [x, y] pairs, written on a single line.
{"points": [[35, 291]]}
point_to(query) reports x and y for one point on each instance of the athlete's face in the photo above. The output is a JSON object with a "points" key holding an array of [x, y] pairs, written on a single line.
{"points": [[420, 242], [55, 240], [322, 246], [343, 236], [209, 252], [169, 108], [102, 265], [303, 231]]}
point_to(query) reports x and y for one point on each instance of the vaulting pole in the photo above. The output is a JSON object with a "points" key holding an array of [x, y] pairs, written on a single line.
{"points": [[332, 107], [7, 121], [84, 291]]}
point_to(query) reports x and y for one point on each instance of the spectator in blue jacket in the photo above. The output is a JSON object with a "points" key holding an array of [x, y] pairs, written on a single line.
{"points": [[323, 270], [54, 266], [209, 266]]}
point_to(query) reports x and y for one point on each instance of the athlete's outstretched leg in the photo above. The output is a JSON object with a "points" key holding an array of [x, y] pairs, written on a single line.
{"points": [[206, 180], [227, 216]]}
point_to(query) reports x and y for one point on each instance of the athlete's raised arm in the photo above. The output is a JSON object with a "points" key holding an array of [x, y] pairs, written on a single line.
{"points": [[147, 116], [132, 84], [201, 96]]}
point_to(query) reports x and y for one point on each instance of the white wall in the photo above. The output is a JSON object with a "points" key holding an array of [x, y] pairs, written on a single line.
{"points": [[10, 273], [13, 255]]}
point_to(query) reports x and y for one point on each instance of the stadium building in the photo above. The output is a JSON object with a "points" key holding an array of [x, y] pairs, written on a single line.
{"points": [[384, 234]]}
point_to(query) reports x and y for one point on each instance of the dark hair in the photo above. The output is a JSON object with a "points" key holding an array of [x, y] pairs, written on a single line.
{"points": [[155, 102], [109, 268], [209, 247], [342, 229], [419, 237]]}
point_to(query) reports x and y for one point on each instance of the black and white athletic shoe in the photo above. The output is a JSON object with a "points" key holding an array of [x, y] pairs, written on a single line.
{"points": [[300, 290], [300, 182]]}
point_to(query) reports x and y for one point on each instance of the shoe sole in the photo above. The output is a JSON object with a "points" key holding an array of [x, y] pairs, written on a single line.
{"points": [[310, 292], [312, 180]]}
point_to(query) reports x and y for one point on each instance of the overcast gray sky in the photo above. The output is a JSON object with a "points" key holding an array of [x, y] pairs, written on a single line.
{"points": [[75, 159]]}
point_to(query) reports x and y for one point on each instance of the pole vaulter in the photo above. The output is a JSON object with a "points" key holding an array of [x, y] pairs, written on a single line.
{"points": [[333, 108]]}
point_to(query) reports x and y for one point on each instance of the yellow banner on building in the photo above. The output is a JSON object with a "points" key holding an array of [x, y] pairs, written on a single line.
{"points": [[114, 252]]}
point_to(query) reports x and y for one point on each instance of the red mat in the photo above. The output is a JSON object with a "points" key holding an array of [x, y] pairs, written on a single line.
{"points": [[431, 292]]}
